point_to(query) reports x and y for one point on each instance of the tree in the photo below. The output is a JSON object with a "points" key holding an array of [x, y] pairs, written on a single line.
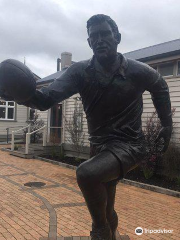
{"points": [[74, 128]]}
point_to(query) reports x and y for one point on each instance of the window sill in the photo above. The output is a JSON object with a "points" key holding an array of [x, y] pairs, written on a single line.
{"points": [[169, 76], [7, 120], [172, 77]]}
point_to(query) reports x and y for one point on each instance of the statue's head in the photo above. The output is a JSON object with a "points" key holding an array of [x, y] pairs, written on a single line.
{"points": [[103, 36]]}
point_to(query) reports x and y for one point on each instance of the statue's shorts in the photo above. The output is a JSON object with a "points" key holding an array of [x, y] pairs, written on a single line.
{"points": [[129, 155]]}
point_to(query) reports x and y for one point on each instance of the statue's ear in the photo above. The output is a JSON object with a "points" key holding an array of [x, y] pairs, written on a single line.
{"points": [[118, 37], [89, 42]]}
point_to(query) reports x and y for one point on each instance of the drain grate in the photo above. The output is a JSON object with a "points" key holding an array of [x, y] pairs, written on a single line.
{"points": [[35, 184]]}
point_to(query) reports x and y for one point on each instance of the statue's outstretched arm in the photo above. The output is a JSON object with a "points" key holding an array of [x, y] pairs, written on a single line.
{"points": [[61, 89]]}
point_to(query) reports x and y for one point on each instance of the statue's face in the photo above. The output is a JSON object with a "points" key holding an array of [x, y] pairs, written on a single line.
{"points": [[102, 41]]}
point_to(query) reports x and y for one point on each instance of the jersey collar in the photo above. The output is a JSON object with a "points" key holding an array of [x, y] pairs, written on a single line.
{"points": [[90, 69]]}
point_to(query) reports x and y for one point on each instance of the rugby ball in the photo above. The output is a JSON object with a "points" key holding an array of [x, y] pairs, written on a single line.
{"points": [[17, 80]]}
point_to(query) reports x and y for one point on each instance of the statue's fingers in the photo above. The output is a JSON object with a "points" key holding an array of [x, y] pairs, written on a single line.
{"points": [[165, 148], [166, 144], [158, 138]]}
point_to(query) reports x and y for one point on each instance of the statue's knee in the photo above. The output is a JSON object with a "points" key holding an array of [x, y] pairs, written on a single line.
{"points": [[84, 174]]}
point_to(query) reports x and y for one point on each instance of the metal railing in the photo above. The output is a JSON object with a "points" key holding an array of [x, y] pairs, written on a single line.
{"points": [[8, 132], [13, 134], [28, 137], [29, 133]]}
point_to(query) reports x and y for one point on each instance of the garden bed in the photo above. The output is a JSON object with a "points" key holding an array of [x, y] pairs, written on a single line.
{"points": [[156, 180], [68, 160]]}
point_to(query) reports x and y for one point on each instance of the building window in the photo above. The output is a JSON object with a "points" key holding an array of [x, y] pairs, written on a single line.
{"points": [[31, 114], [7, 110], [166, 69], [178, 71]]}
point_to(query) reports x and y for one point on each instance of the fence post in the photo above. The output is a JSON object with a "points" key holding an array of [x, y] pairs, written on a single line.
{"points": [[29, 130], [44, 136], [7, 135], [27, 143], [12, 141]]}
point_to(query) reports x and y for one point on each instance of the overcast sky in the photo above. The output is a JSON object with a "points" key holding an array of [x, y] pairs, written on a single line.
{"points": [[40, 30]]}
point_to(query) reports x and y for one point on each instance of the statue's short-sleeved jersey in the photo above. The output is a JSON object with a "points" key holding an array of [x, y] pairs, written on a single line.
{"points": [[113, 104]]}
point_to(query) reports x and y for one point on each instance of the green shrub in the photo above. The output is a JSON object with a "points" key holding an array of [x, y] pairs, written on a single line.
{"points": [[61, 152], [148, 173], [16, 147], [77, 159]]}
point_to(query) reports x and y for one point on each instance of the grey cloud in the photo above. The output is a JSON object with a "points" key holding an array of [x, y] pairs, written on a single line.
{"points": [[42, 29]]}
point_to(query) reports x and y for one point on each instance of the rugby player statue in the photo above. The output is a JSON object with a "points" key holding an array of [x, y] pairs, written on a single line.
{"points": [[111, 89]]}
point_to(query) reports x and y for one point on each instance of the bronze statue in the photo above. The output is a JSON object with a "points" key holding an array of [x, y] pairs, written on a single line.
{"points": [[111, 89]]}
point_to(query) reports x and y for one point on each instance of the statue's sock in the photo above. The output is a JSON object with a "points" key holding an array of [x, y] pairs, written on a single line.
{"points": [[96, 204], [113, 223]]}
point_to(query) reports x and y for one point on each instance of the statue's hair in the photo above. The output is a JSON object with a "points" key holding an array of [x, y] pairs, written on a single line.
{"points": [[99, 18]]}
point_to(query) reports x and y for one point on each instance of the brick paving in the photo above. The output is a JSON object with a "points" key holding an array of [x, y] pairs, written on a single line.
{"points": [[58, 209]]}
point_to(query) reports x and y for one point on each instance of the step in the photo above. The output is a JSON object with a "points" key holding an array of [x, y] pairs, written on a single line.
{"points": [[21, 154], [31, 154], [31, 149], [36, 145]]}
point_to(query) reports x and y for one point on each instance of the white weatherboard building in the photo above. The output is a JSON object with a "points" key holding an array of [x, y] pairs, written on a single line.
{"points": [[165, 58]]}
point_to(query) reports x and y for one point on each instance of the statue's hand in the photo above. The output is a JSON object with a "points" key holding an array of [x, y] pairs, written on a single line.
{"points": [[165, 134]]}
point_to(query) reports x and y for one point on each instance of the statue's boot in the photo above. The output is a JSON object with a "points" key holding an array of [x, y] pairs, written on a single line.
{"points": [[103, 233], [113, 223]]}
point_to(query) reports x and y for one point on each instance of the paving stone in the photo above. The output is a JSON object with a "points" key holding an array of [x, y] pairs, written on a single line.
{"points": [[124, 237], [76, 238], [59, 211]]}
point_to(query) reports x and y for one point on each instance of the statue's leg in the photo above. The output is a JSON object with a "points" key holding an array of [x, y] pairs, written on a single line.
{"points": [[111, 214], [91, 177]]}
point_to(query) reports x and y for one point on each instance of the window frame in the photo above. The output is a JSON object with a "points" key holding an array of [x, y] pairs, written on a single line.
{"points": [[178, 73], [6, 107], [29, 114], [167, 76]]}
